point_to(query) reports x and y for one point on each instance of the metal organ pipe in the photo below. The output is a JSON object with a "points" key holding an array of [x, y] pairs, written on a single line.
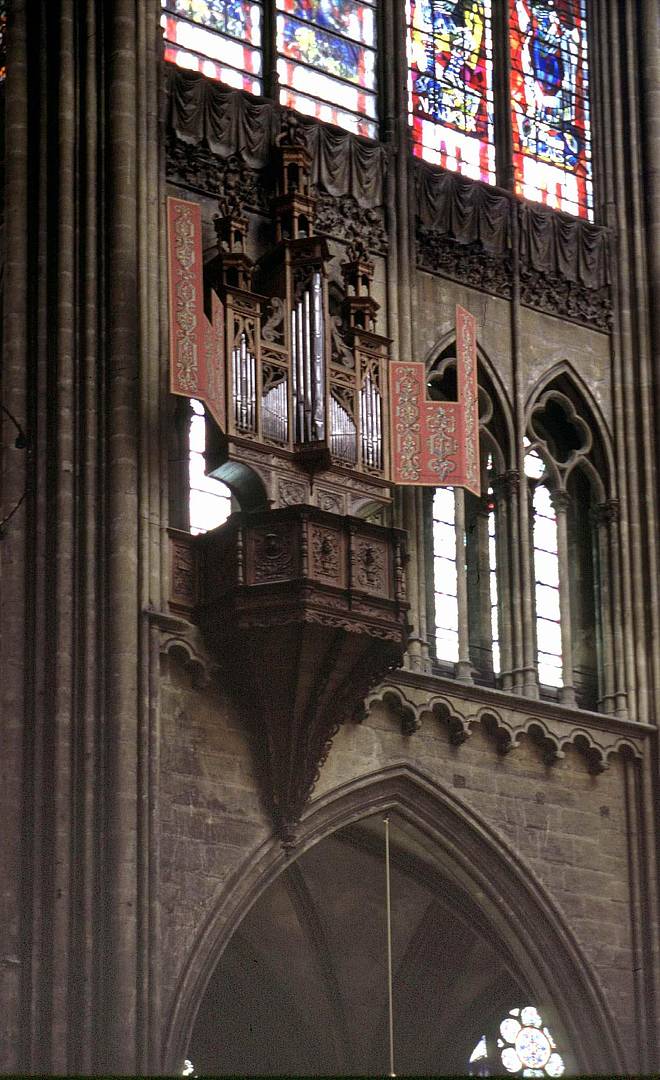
{"points": [[307, 347], [318, 386], [371, 422], [244, 386]]}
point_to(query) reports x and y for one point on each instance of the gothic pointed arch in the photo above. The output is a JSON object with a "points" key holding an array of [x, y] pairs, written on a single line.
{"points": [[459, 847], [571, 486]]}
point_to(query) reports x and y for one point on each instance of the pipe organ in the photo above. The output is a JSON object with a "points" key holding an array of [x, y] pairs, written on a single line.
{"points": [[304, 392]]}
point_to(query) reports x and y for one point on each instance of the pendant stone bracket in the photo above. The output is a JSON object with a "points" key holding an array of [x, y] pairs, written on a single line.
{"points": [[304, 611]]}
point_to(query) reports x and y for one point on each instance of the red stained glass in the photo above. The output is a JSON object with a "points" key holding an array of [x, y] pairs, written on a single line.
{"points": [[550, 104], [450, 85], [327, 61], [221, 40]]}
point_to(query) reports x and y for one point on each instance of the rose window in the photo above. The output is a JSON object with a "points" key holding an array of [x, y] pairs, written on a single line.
{"points": [[523, 1046]]}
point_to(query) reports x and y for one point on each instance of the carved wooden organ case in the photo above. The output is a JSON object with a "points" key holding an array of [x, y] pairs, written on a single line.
{"points": [[300, 597], [296, 390]]}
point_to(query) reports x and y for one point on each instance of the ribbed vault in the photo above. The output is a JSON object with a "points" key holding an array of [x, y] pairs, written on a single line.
{"points": [[301, 987]]}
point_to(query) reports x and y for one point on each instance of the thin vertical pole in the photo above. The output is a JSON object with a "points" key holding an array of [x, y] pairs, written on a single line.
{"points": [[389, 944]]}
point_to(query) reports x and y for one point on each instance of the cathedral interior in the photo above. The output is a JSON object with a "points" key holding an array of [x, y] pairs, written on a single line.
{"points": [[329, 537]]}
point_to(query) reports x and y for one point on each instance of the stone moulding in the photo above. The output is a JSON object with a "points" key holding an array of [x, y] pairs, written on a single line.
{"points": [[416, 701], [302, 612]]}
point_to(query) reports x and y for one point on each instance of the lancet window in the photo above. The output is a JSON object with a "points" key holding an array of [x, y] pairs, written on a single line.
{"points": [[469, 573], [451, 96], [571, 549], [220, 38], [326, 60], [325, 52], [550, 104], [450, 85]]}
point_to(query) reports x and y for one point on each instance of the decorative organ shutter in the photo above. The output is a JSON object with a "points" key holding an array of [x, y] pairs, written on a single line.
{"points": [[436, 443], [196, 344]]}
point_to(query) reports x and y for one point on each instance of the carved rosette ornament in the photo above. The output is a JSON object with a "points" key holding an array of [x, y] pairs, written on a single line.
{"points": [[305, 612]]}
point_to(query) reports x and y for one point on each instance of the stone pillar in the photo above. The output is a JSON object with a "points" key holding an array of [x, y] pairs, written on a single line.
{"points": [[84, 310], [505, 492]]}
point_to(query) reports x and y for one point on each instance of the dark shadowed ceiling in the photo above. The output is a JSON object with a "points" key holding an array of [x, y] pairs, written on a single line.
{"points": [[302, 986]]}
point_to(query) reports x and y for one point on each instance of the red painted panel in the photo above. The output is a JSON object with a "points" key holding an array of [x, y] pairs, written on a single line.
{"points": [[197, 367], [436, 443]]}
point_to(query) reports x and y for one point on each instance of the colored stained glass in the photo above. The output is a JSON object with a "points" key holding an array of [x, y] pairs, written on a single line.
{"points": [[327, 61], [238, 18], [220, 39], [299, 41], [522, 1046], [550, 106], [450, 84]]}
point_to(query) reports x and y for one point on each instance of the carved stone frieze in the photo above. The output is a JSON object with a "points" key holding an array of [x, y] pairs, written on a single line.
{"points": [[472, 265], [344, 219], [508, 720], [198, 168], [568, 299], [468, 263]]}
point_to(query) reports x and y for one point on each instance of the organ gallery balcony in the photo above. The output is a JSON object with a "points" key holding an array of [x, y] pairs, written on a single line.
{"points": [[305, 611]]}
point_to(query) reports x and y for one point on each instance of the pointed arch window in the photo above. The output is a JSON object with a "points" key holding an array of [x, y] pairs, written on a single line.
{"points": [[571, 540], [466, 539]]}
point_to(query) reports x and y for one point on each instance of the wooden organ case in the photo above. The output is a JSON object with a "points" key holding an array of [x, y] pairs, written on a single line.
{"points": [[301, 598]]}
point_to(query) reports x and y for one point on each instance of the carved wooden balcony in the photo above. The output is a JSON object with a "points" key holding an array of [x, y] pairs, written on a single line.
{"points": [[305, 610]]}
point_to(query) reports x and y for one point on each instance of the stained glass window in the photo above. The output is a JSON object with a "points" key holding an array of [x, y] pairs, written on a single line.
{"points": [[522, 1046], [450, 84], [220, 38], [550, 104], [210, 500], [327, 61]]}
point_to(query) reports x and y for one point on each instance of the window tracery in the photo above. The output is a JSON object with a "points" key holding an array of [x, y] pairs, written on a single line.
{"points": [[565, 475], [522, 1045]]}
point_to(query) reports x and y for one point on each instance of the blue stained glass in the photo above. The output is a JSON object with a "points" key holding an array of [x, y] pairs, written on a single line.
{"points": [[450, 84], [326, 52], [355, 21], [550, 107], [239, 18]]}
